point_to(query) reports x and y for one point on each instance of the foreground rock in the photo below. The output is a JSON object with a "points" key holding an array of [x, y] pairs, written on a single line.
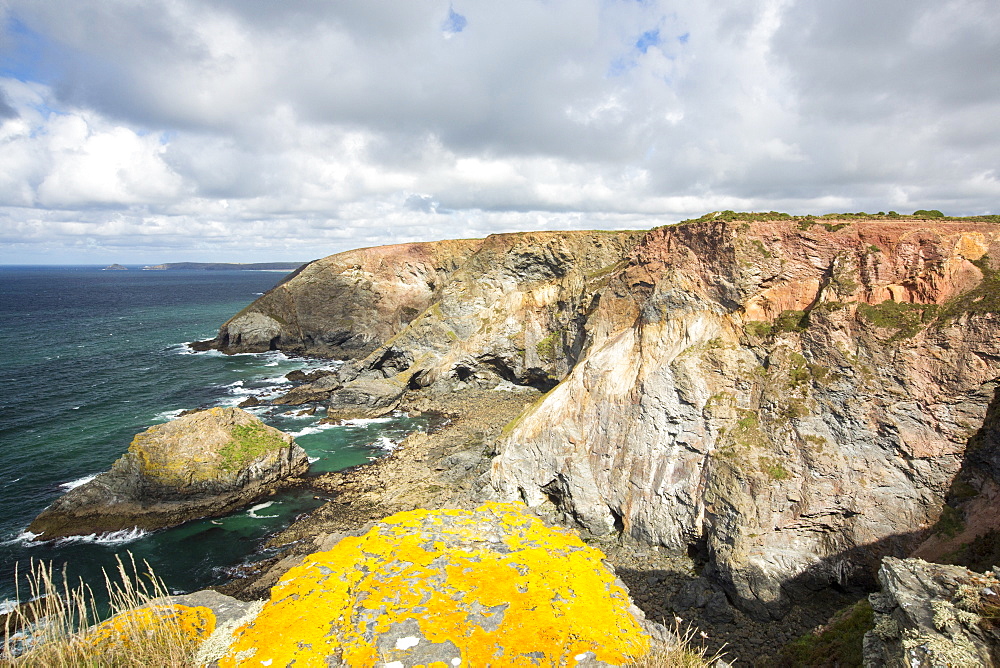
{"points": [[202, 464], [492, 586], [929, 615]]}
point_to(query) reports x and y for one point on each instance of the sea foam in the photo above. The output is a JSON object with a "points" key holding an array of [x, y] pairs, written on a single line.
{"points": [[73, 484], [110, 538], [260, 506]]}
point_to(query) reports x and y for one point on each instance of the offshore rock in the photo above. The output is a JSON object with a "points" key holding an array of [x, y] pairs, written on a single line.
{"points": [[202, 464], [492, 586], [933, 616]]}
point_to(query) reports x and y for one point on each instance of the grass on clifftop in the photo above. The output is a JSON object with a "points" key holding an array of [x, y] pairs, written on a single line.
{"points": [[249, 442], [56, 628]]}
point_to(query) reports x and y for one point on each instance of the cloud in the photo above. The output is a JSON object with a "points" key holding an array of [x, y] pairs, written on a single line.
{"points": [[317, 126], [6, 111]]}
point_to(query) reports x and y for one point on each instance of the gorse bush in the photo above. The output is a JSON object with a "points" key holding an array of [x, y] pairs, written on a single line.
{"points": [[58, 626]]}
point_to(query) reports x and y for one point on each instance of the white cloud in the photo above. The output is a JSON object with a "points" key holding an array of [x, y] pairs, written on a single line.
{"points": [[254, 129]]}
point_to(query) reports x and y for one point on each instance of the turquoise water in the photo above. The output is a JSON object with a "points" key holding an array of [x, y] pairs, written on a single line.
{"points": [[93, 357]]}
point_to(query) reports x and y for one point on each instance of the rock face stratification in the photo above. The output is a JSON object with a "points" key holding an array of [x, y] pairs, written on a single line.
{"points": [[201, 464], [795, 397], [790, 397]]}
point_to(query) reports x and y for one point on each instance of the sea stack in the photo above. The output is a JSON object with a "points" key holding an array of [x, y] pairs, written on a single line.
{"points": [[202, 464]]}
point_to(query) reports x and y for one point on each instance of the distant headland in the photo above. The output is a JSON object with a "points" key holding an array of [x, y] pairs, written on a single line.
{"points": [[225, 266]]}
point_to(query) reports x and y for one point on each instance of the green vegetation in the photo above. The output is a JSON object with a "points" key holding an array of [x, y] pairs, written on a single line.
{"points": [[773, 468], [907, 319], [759, 245], [838, 644], [758, 328], [546, 348], [816, 441], [249, 442], [984, 298], [791, 321], [950, 524], [730, 216], [981, 554], [804, 222]]}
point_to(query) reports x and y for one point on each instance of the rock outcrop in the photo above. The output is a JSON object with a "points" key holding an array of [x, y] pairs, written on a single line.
{"points": [[933, 616], [794, 396], [202, 464], [492, 586], [346, 305], [791, 397]]}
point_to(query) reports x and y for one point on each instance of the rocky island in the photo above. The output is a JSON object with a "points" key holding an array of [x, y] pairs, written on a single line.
{"points": [[203, 464]]}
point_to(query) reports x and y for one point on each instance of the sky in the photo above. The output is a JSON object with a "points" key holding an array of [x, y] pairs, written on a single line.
{"points": [[147, 131]]}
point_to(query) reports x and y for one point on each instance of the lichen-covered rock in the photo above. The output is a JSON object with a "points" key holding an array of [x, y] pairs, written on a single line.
{"points": [[933, 616], [489, 587], [175, 627], [201, 464]]}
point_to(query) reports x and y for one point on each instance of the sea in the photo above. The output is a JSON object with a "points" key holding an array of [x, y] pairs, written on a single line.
{"points": [[93, 357]]}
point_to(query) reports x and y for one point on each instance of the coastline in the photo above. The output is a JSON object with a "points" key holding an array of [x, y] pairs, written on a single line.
{"points": [[444, 467]]}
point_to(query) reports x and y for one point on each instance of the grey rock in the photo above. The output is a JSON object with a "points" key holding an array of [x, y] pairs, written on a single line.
{"points": [[934, 620]]}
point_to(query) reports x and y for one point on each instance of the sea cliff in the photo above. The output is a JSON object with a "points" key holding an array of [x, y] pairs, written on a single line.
{"points": [[790, 399]]}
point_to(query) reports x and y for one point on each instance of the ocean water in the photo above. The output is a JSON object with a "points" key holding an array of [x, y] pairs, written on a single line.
{"points": [[92, 358]]}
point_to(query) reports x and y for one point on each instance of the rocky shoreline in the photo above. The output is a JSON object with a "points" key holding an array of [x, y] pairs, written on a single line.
{"points": [[446, 468]]}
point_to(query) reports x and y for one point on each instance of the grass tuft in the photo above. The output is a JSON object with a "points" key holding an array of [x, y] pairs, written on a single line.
{"points": [[56, 627], [687, 652]]}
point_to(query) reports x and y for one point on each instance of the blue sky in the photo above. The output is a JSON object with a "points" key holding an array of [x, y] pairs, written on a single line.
{"points": [[249, 130]]}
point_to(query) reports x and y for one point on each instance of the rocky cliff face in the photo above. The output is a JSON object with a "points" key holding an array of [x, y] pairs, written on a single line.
{"points": [[202, 464], [345, 305], [790, 397], [795, 396]]}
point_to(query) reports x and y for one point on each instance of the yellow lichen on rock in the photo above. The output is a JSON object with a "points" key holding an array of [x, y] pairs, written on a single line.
{"points": [[493, 586], [167, 624]]}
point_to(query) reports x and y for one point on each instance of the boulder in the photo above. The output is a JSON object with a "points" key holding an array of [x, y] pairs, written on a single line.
{"points": [[365, 399], [493, 586], [202, 464], [930, 615]]}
